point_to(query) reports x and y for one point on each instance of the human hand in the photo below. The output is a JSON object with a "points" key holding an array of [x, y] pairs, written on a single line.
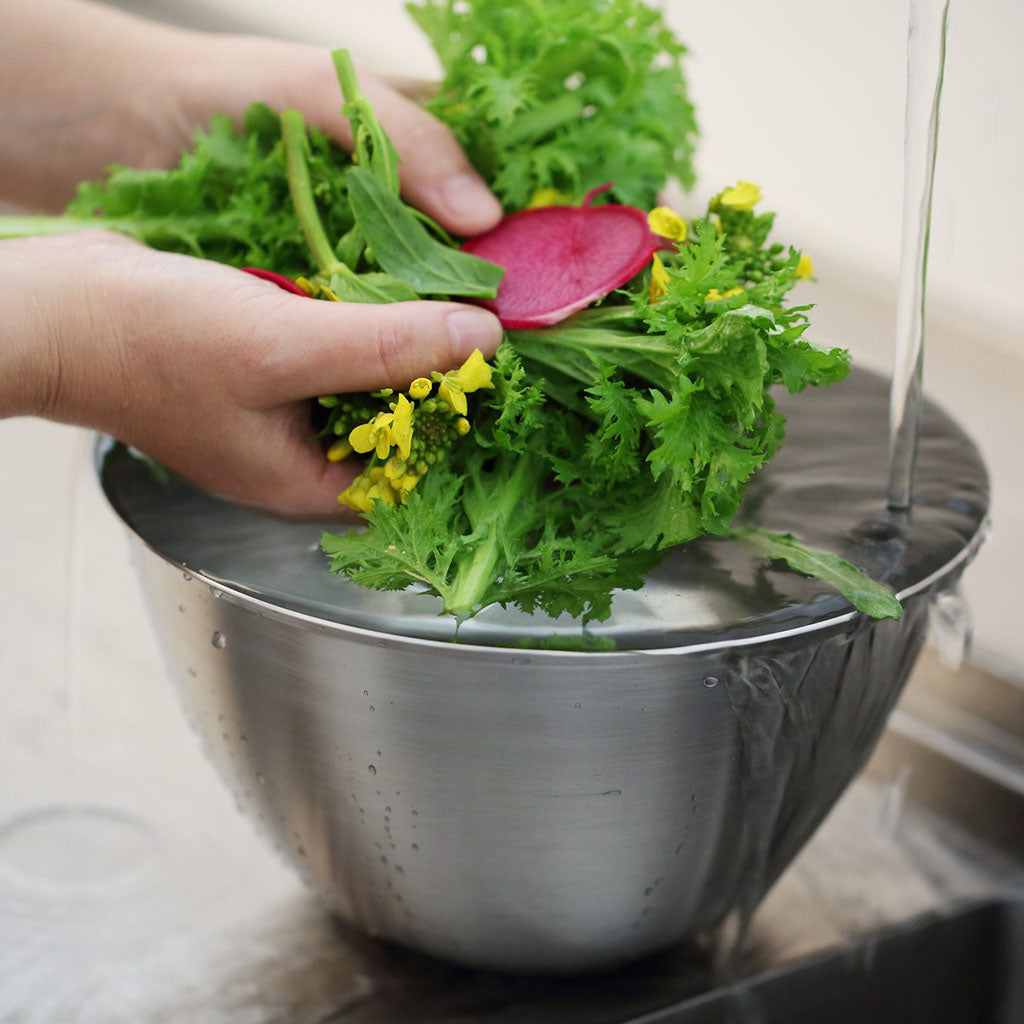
{"points": [[83, 86], [206, 369]]}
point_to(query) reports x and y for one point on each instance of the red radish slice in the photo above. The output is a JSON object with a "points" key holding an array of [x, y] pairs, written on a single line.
{"points": [[279, 279], [560, 259]]}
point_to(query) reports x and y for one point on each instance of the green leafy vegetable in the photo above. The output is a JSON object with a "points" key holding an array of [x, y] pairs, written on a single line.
{"points": [[626, 430], [228, 200], [563, 96], [860, 590], [563, 470], [401, 245]]}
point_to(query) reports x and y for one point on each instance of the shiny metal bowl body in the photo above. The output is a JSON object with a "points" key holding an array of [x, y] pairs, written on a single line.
{"points": [[520, 809]]}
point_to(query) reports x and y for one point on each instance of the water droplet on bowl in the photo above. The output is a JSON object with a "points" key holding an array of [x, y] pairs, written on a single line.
{"points": [[219, 640], [371, 769], [710, 681]]}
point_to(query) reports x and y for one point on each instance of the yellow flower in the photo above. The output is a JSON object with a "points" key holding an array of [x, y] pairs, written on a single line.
{"points": [[370, 486], [659, 280], [547, 197], [399, 477], [338, 451], [475, 372], [420, 388], [462, 426], [453, 386], [805, 268], [714, 295], [401, 426], [744, 196], [453, 396], [667, 223], [373, 436]]}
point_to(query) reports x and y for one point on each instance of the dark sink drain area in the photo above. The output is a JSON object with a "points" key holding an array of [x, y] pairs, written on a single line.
{"points": [[965, 966]]}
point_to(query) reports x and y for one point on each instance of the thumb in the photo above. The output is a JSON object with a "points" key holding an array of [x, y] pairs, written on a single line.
{"points": [[277, 467], [308, 348]]}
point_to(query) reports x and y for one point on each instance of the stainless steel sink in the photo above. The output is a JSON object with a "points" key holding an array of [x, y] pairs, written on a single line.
{"points": [[961, 967]]}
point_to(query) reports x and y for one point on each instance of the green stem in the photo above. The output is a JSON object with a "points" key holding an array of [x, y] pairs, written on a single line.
{"points": [[23, 227], [489, 513], [293, 136], [600, 315], [572, 350], [371, 145], [170, 231], [598, 339], [473, 577]]}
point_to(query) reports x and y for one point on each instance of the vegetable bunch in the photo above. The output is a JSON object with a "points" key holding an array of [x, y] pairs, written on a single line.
{"points": [[566, 467], [597, 443], [562, 96]]}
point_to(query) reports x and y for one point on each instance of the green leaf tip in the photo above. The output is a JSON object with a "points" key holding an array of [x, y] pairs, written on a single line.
{"points": [[865, 594]]}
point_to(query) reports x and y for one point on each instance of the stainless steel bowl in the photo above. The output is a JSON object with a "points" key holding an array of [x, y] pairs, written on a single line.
{"points": [[540, 810]]}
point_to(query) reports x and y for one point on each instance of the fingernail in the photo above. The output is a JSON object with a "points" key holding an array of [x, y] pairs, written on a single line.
{"points": [[471, 205], [471, 329]]}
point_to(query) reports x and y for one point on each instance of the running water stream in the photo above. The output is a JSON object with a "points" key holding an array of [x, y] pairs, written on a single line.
{"points": [[767, 696], [926, 59]]}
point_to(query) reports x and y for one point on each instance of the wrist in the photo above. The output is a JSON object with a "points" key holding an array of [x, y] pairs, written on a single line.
{"points": [[61, 344], [29, 356]]}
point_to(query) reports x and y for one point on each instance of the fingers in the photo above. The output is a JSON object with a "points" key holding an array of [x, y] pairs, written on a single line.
{"points": [[436, 175], [306, 348], [231, 72], [272, 465]]}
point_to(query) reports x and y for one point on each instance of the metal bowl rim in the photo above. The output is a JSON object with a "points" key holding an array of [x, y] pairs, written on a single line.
{"points": [[364, 635]]}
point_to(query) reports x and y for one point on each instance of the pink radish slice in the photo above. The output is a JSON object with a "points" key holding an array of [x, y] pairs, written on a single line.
{"points": [[279, 279], [560, 259]]}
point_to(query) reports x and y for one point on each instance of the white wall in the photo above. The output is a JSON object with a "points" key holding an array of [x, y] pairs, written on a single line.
{"points": [[808, 99]]}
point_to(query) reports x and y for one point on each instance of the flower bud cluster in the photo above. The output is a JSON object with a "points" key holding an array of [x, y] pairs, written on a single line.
{"points": [[415, 432]]}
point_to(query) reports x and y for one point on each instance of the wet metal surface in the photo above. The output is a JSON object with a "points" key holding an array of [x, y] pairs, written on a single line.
{"points": [[826, 485]]}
